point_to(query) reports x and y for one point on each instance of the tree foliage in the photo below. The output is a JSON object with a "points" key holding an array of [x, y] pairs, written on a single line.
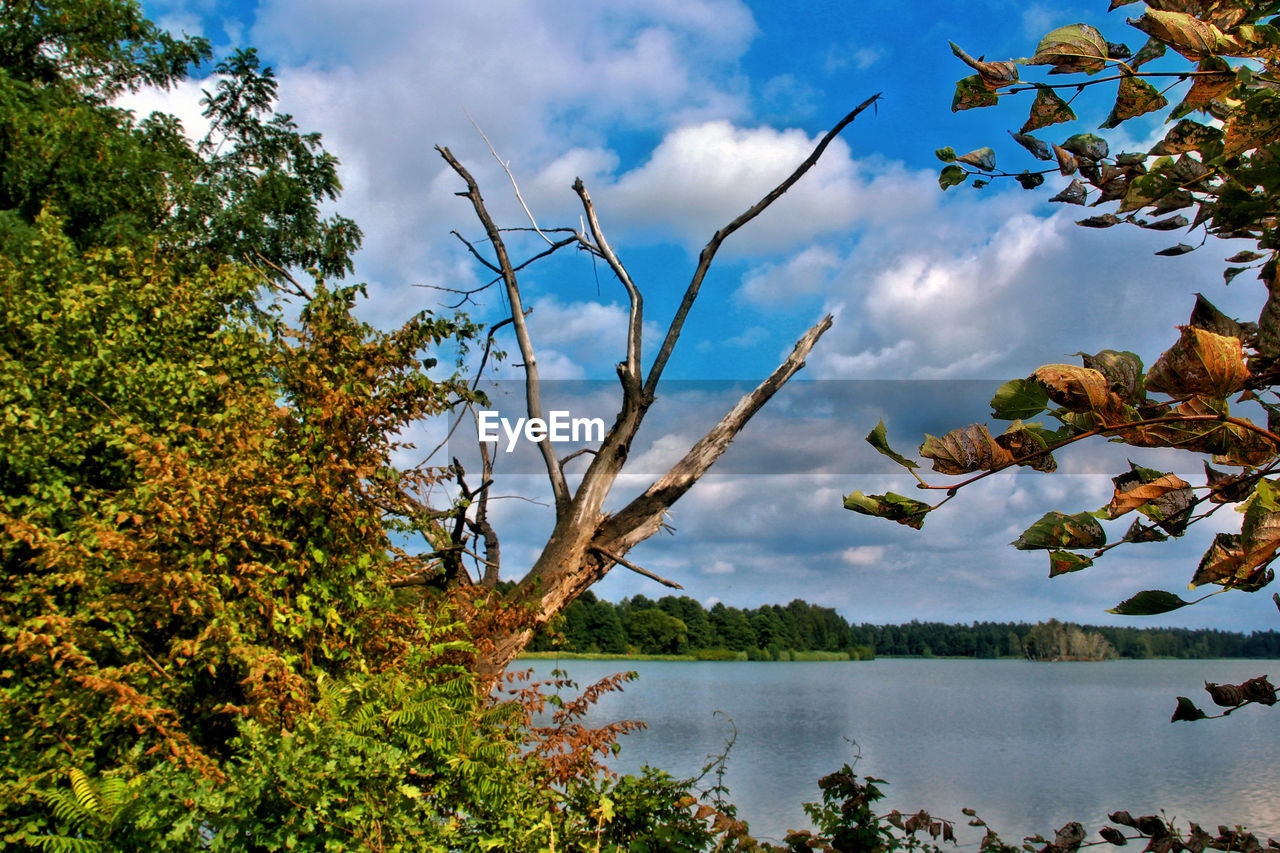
{"points": [[1218, 160]]}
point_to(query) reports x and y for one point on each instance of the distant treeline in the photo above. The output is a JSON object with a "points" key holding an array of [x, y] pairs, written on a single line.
{"points": [[680, 625]]}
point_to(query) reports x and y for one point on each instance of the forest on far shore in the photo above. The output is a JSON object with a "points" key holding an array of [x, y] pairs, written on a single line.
{"points": [[681, 625]]}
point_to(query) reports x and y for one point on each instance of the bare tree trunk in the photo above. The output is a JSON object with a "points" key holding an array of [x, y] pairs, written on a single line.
{"points": [[585, 543]]}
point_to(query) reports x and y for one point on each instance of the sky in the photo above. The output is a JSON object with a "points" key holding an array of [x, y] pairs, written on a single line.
{"points": [[679, 114]]}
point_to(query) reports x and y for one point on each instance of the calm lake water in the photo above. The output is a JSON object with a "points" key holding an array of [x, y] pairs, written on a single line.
{"points": [[1031, 746]]}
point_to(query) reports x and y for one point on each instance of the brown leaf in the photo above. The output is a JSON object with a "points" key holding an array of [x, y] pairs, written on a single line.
{"points": [[1216, 79], [995, 75], [1131, 492], [1135, 97], [1082, 389], [1200, 363], [1187, 34], [965, 450], [1066, 160]]}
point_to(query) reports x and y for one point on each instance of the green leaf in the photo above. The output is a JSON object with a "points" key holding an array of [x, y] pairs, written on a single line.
{"points": [[952, 176], [1063, 562], [878, 439], [1150, 602], [1087, 145], [1057, 530], [1019, 399], [894, 507], [1186, 135], [1078, 47], [1205, 315], [946, 155], [1123, 371], [1153, 49], [1047, 109], [971, 93], [1030, 443]]}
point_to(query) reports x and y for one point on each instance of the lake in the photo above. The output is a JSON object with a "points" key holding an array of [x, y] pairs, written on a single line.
{"points": [[1030, 746]]}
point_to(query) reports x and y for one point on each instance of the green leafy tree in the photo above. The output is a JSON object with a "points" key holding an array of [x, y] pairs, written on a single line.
{"points": [[1216, 161], [655, 631]]}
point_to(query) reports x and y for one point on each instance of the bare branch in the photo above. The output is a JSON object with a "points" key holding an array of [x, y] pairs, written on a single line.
{"points": [[533, 392], [633, 567], [576, 454], [641, 518], [709, 251], [298, 288], [635, 314], [472, 249], [506, 167]]}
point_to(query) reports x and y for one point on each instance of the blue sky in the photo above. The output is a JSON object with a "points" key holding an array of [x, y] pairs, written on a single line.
{"points": [[678, 114]]}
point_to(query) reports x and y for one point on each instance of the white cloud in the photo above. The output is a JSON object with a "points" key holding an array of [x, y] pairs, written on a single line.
{"points": [[181, 100], [800, 275], [863, 555]]}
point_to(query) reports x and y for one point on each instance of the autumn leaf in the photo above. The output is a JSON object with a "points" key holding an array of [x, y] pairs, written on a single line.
{"points": [[965, 450], [894, 507], [1185, 33], [1078, 47], [995, 75], [1202, 362], [1142, 485], [1135, 97], [1047, 109], [1056, 530]]}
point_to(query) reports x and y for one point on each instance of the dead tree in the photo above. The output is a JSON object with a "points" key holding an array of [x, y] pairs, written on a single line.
{"points": [[586, 542]]}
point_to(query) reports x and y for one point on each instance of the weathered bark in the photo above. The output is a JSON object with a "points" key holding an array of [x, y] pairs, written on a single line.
{"points": [[577, 556], [586, 543]]}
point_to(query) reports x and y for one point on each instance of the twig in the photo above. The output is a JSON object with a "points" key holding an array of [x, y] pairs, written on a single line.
{"points": [[709, 251], [633, 567], [533, 391], [507, 168]]}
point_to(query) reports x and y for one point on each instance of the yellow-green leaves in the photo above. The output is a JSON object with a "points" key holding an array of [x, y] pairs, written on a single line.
{"points": [[878, 439], [1078, 47], [894, 507], [1019, 399], [1057, 530]]}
